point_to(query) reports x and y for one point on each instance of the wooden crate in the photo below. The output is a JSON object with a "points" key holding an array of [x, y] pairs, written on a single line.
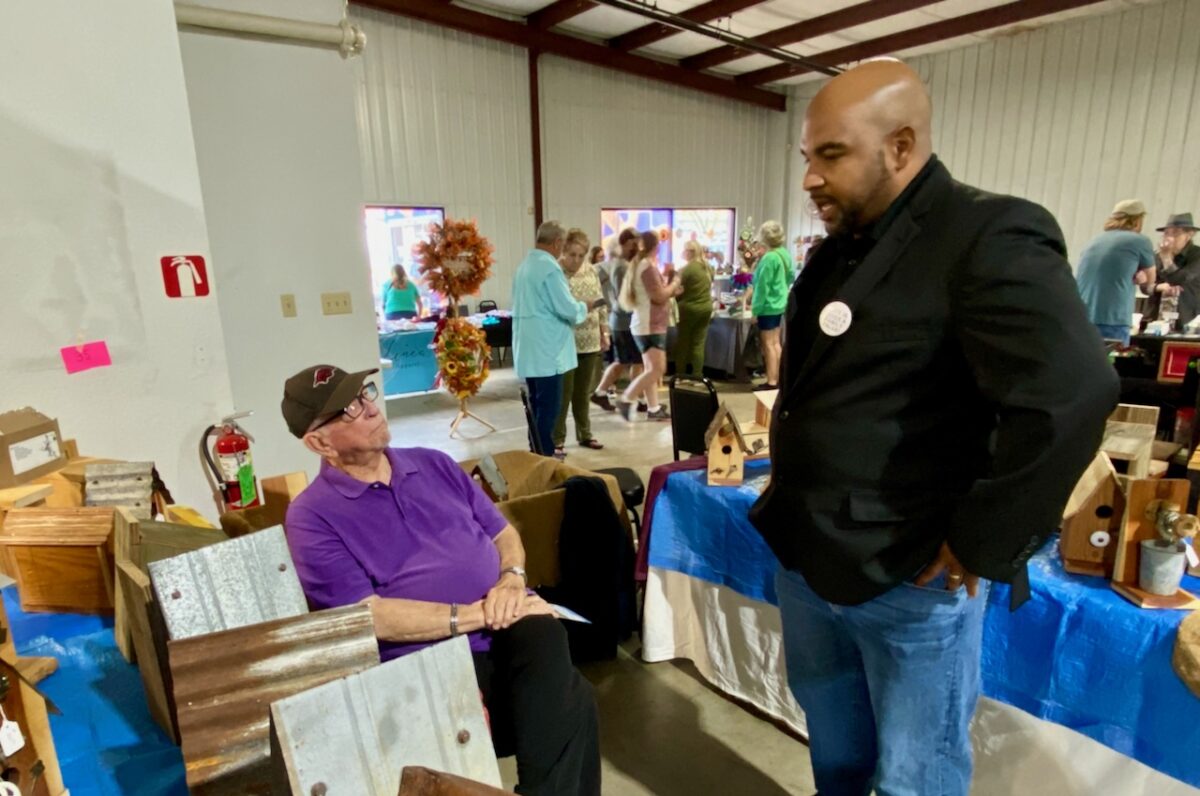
{"points": [[62, 559], [36, 722], [1132, 443]]}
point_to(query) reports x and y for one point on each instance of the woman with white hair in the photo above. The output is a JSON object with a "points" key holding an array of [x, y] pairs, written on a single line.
{"points": [[773, 277]]}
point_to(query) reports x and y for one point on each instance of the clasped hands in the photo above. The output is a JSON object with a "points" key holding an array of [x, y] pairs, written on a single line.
{"points": [[508, 602]]}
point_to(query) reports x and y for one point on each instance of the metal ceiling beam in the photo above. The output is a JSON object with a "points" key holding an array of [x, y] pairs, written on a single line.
{"points": [[520, 34], [656, 31], [641, 8], [995, 17], [558, 13], [807, 29]]}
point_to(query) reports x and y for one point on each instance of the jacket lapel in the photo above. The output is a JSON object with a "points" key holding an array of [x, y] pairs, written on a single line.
{"points": [[867, 274]]}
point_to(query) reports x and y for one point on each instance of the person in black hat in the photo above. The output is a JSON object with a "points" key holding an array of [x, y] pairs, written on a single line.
{"points": [[1178, 270]]}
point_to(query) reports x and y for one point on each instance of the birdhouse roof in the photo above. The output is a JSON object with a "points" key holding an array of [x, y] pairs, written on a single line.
{"points": [[714, 428]]}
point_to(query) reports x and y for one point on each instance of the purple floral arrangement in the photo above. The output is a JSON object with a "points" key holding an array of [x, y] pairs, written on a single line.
{"points": [[743, 279]]}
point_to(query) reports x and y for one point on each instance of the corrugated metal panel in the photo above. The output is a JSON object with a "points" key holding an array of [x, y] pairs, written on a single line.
{"points": [[1074, 116], [225, 683], [127, 484], [615, 140], [443, 120], [231, 584], [355, 735]]}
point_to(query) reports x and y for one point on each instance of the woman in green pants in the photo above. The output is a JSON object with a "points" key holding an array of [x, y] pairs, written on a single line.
{"points": [[695, 311], [591, 338]]}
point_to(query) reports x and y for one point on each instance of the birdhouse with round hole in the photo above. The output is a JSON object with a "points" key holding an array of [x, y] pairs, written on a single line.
{"points": [[727, 449], [1092, 521]]}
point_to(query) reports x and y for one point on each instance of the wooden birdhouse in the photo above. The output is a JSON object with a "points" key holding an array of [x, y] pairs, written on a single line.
{"points": [[1092, 521], [727, 449]]}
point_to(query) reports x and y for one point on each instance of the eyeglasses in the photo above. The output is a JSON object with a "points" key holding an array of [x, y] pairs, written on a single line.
{"points": [[359, 405]]}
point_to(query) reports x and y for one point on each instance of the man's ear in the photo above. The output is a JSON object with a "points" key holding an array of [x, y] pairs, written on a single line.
{"points": [[901, 146], [317, 443]]}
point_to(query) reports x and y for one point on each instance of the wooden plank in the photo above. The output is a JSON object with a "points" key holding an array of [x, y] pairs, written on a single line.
{"points": [[1129, 442], [20, 765], [1092, 521], [421, 781], [228, 585], [36, 668], [357, 733], [225, 683], [16, 497], [1137, 527], [138, 595], [1135, 413], [37, 722], [186, 515]]}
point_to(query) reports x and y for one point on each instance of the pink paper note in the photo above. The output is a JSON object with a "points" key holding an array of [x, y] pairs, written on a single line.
{"points": [[86, 356]]}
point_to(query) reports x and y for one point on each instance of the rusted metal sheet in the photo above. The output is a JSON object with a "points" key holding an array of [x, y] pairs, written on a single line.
{"points": [[355, 735], [127, 484], [230, 584], [225, 684]]}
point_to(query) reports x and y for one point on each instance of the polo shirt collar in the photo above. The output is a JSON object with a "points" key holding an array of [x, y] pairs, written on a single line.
{"points": [[349, 487]]}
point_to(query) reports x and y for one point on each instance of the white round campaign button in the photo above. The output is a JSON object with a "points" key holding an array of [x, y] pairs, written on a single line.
{"points": [[835, 318]]}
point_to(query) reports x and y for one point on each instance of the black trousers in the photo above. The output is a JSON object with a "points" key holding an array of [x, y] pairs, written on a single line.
{"points": [[541, 709]]}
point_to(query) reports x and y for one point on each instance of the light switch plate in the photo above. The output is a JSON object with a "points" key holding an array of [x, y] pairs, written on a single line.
{"points": [[336, 303], [287, 303]]}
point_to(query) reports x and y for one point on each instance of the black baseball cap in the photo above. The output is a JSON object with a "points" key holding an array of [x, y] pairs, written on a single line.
{"points": [[317, 392]]}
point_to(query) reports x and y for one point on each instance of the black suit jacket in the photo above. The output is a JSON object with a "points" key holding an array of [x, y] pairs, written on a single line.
{"points": [[961, 405]]}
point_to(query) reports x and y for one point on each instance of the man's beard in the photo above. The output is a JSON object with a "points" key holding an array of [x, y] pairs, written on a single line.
{"points": [[849, 218]]}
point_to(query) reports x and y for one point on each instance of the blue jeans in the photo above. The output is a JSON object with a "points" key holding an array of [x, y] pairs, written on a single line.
{"points": [[888, 687], [545, 399], [1109, 332]]}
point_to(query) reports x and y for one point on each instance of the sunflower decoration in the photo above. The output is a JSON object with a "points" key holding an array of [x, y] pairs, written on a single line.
{"points": [[455, 260], [749, 249], [463, 357]]}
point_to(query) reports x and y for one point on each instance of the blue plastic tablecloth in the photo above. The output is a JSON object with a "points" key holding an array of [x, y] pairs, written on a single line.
{"points": [[414, 364], [1076, 654], [107, 744]]}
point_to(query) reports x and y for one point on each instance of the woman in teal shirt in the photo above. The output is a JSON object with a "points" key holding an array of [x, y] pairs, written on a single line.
{"points": [[773, 277], [401, 299]]}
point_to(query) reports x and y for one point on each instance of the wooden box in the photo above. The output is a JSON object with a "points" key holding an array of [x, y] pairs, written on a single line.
{"points": [[62, 559], [1138, 525], [1092, 521]]}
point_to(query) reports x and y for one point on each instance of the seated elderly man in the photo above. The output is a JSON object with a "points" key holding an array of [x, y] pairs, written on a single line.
{"points": [[407, 531]]}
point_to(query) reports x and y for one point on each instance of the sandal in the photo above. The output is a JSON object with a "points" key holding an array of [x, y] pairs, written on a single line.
{"points": [[594, 444]]}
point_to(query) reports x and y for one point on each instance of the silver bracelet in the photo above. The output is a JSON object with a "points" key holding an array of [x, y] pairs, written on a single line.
{"points": [[453, 620]]}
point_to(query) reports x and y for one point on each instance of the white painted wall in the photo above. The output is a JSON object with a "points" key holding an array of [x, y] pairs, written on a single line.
{"points": [[99, 181], [1075, 116], [444, 120], [277, 147]]}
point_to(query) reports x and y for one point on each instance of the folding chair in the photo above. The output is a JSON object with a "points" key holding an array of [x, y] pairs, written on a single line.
{"points": [[693, 405]]}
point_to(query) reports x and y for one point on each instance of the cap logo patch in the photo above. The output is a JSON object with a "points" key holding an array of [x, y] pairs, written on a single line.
{"points": [[323, 376]]}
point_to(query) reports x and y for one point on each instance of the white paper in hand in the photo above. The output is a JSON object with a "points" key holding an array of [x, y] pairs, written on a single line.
{"points": [[11, 739], [568, 614]]}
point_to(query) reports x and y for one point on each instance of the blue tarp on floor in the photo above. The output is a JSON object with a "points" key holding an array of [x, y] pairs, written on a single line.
{"points": [[107, 743]]}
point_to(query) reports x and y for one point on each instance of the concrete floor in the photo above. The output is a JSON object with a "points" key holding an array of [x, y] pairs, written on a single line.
{"points": [[663, 729]]}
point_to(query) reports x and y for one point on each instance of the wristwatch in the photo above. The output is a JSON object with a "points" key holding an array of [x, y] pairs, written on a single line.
{"points": [[516, 571]]}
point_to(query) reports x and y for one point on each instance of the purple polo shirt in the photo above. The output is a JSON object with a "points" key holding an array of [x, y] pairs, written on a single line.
{"points": [[428, 535]]}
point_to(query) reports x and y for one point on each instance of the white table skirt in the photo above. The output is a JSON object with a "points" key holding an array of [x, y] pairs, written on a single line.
{"points": [[736, 644]]}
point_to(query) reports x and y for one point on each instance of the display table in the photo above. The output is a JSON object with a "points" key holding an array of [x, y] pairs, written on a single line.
{"points": [[1076, 656], [414, 365], [731, 346]]}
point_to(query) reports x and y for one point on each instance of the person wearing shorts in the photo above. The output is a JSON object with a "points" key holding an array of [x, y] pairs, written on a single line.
{"points": [[647, 295], [773, 277], [626, 357]]}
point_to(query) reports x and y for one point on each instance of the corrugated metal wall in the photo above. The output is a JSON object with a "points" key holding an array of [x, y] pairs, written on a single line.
{"points": [[444, 120], [615, 140], [1075, 116]]}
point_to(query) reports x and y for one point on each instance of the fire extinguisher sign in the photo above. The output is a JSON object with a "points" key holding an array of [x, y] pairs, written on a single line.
{"points": [[184, 276]]}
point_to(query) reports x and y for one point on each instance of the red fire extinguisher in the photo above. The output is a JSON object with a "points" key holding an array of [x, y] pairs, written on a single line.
{"points": [[230, 462]]}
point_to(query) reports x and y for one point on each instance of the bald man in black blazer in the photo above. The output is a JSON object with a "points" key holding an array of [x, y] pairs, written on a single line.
{"points": [[941, 392]]}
